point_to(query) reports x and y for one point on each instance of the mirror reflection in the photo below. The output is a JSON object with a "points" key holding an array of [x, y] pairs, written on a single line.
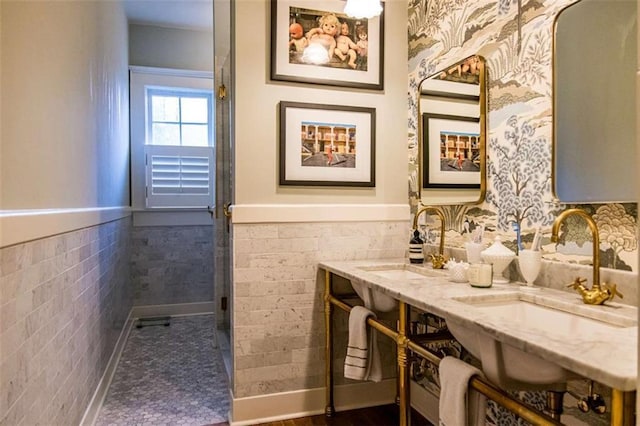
{"points": [[594, 102], [452, 133]]}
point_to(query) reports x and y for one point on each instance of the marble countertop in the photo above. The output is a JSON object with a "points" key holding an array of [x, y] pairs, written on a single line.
{"points": [[608, 357]]}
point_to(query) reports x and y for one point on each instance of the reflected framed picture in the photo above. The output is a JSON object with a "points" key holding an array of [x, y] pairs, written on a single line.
{"points": [[327, 145], [313, 41], [451, 154]]}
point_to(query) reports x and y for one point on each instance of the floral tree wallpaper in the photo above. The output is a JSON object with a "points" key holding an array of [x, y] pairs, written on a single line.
{"points": [[515, 38]]}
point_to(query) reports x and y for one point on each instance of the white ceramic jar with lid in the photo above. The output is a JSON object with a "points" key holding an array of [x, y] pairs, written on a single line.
{"points": [[500, 257]]}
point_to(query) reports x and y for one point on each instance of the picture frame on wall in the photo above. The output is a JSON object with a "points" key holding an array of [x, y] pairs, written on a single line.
{"points": [[461, 81], [326, 145], [314, 41], [451, 154]]}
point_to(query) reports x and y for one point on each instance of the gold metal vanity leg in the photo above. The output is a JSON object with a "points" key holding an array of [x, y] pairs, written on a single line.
{"points": [[403, 371], [328, 352], [622, 408], [554, 403]]}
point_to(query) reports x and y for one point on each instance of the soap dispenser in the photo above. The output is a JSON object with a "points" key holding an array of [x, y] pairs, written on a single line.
{"points": [[415, 248]]}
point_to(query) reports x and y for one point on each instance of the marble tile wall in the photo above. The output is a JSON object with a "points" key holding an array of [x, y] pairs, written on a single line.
{"points": [[278, 304], [63, 303], [558, 275], [172, 264]]}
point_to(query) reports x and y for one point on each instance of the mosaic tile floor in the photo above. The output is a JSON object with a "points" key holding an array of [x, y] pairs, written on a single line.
{"points": [[169, 376]]}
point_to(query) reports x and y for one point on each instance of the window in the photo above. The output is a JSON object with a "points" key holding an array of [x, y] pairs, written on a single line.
{"points": [[172, 146], [178, 118], [178, 152]]}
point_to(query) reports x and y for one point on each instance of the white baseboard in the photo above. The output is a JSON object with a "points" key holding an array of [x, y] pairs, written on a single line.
{"points": [[91, 413], [309, 402], [177, 309]]}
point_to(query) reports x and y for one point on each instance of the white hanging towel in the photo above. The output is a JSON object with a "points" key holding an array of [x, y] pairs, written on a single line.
{"points": [[363, 359], [459, 404]]}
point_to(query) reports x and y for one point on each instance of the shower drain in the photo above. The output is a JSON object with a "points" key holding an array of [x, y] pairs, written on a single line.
{"points": [[153, 321]]}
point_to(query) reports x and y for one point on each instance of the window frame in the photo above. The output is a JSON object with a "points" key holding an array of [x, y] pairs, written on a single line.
{"points": [[174, 81], [179, 93]]}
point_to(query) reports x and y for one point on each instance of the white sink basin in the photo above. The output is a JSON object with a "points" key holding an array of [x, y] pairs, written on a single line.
{"points": [[392, 272], [402, 271], [512, 368], [549, 319]]}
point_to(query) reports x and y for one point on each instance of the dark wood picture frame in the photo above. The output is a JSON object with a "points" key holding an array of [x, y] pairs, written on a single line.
{"points": [[289, 62], [326, 145], [440, 169]]}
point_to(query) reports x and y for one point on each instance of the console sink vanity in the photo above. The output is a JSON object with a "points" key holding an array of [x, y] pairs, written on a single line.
{"points": [[525, 338]]}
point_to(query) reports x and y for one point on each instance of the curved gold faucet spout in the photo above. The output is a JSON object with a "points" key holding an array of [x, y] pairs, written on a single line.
{"points": [[594, 235], [599, 293], [438, 262]]}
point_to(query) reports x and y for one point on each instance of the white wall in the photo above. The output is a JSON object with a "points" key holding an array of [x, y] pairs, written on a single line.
{"points": [[161, 47], [256, 103], [64, 139], [64, 105]]}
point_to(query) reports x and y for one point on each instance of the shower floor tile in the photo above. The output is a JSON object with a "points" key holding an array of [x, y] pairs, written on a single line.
{"points": [[171, 375]]}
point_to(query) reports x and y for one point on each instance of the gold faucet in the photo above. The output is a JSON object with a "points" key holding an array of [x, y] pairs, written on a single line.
{"points": [[437, 260], [598, 294]]}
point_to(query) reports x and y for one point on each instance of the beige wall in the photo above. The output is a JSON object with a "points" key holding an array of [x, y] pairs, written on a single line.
{"points": [[64, 105], [64, 117], [638, 186], [161, 47], [63, 146], [280, 234], [256, 103]]}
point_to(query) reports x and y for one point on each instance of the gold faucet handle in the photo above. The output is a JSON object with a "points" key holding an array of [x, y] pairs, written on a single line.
{"points": [[437, 261], [612, 289], [577, 283]]}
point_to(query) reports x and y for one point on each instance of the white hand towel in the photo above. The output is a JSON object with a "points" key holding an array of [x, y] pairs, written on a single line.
{"points": [[363, 360], [459, 405]]}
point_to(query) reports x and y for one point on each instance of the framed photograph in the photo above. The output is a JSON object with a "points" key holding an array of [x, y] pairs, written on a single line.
{"points": [[327, 145], [461, 81], [451, 154], [313, 41]]}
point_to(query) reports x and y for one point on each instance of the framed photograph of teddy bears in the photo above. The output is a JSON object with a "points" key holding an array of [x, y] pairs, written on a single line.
{"points": [[314, 41], [327, 145]]}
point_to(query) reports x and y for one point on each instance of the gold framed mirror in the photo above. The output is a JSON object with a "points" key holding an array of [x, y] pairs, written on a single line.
{"points": [[452, 127], [594, 102]]}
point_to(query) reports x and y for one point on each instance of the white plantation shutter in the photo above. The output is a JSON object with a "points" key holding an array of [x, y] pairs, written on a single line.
{"points": [[179, 176]]}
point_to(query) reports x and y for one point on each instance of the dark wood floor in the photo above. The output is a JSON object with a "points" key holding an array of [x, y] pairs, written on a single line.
{"points": [[384, 415]]}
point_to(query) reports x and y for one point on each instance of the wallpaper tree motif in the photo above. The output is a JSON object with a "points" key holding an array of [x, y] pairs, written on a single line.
{"points": [[617, 229], [515, 37], [521, 176]]}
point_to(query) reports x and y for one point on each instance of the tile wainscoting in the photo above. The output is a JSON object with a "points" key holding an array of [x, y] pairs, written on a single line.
{"points": [[278, 306], [172, 264], [64, 301]]}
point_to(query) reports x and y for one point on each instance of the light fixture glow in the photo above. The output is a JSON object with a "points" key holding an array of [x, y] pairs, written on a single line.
{"points": [[315, 54], [363, 8]]}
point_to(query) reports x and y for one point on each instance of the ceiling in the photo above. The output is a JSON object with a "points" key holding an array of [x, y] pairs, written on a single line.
{"points": [[190, 14]]}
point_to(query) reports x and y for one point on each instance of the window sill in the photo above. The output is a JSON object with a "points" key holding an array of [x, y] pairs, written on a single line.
{"points": [[172, 217]]}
